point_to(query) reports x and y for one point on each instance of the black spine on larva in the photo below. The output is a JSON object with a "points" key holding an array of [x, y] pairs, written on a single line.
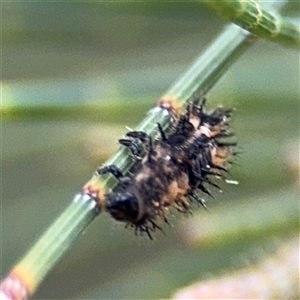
{"points": [[174, 171]]}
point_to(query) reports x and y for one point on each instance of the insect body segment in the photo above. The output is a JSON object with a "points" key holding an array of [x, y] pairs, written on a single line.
{"points": [[174, 171]]}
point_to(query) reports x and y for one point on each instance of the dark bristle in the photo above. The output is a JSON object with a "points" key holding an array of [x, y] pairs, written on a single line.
{"points": [[146, 229], [205, 190], [133, 147], [198, 199], [220, 168], [212, 184], [226, 144]]}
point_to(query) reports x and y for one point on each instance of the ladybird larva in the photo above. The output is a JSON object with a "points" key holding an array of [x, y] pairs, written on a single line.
{"points": [[174, 170]]}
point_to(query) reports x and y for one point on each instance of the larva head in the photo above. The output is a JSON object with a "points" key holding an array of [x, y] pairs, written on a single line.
{"points": [[123, 206]]}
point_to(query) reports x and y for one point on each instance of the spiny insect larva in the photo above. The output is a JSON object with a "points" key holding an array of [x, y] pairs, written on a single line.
{"points": [[172, 172]]}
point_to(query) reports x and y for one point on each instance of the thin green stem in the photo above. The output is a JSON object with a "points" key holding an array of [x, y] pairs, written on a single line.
{"points": [[55, 241], [261, 22], [53, 244]]}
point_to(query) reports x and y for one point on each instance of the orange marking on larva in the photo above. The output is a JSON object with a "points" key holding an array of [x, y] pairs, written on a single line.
{"points": [[169, 198], [222, 152], [221, 156], [220, 162]]}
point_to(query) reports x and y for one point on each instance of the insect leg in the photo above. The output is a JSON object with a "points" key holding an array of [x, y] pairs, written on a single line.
{"points": [[145, 139], [112, 169], [133, 147], [116, 172], [139, 135]]}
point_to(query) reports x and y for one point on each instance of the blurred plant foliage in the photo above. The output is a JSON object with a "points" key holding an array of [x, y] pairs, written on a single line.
{"points": [[74, 74]]}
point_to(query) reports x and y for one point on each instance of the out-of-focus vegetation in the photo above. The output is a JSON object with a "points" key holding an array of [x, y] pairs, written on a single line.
{"points": [[73, 76]]}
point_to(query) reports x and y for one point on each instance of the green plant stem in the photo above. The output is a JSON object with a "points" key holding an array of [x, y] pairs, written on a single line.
{"points": [[55, 242], [254, 18], [58, 238]]}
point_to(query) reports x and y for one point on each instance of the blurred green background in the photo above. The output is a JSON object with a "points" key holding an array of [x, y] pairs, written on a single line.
{"points": [[74, 74]]}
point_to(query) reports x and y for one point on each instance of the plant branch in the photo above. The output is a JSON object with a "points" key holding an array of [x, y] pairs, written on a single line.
{"points": [[261, 22]]}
